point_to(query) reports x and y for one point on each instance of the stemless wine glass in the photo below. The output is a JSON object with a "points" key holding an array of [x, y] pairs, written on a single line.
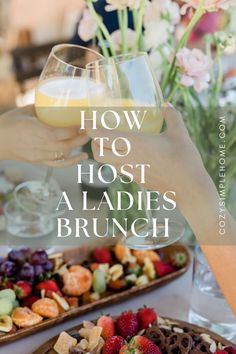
{"points": [[128, 82], [60, 94]]}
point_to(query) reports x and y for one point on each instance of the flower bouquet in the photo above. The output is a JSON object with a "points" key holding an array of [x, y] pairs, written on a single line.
{"points": [[191, 78]]}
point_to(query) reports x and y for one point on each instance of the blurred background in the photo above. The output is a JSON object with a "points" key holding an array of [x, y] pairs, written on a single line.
{"points": [[27, 32]]}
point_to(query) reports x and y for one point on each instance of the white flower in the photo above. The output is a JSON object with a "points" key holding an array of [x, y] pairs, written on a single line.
{"points": [[117, 39], [156, 34], [87, 26], [157, 10], [113, 5], [152, 12], [226, 42], [171, 11], [134, 4], [159, 60]]}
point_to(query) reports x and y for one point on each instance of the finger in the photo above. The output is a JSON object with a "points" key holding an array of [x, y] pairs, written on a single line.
{"points": [[68, 162], [109, 157], [28, 110], [102, 132], [173, 118], [59, 134], [66, 145]]}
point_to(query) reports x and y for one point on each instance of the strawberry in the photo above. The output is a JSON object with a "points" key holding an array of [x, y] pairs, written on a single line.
{"points": [[220, 351], [28, 301], [108, 327], [102, 255], [73, 301], [22, 289], [50, 286], [230, 350], [113, 345], [141, 345], [127, 324], [146, 316], [178, 259], [162, 268]]}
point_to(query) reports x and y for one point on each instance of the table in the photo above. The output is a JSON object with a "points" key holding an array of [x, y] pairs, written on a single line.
{"points": [[171, 300]]}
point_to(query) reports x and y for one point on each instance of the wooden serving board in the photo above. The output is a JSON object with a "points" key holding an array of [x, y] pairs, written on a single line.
{"points": [[79, 255], [47, 348]]}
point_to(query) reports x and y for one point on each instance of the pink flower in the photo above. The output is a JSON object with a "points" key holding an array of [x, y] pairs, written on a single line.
{"points": [[209, 5], [87, 26], [195, 66], [117, 39], [134, 4], [113, 5]]}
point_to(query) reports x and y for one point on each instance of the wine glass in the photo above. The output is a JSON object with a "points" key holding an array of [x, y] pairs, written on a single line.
{"points": [[60, 94], [128, 82]]}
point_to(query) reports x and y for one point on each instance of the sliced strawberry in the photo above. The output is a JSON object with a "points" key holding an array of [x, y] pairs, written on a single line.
{"points": [[22, 289], [113, 345], [163, 268], [72, 301], [49, 286], [28, 301], [140, 345], [127, 324], [102, 255], [108, 327], [146, 316]]}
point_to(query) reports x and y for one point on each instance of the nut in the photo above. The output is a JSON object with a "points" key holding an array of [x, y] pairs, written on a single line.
{"points": [[83, 344], [132, 278], [213, 347], [142, 280], [94, 297], [149, 269], [116, 271]]}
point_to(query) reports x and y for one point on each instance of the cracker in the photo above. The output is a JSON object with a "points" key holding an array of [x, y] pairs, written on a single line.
{"points": [[64, 343]]}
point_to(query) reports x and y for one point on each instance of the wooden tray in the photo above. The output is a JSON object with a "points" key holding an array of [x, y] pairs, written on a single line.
{"points": [[77, 256], [47, 348]]}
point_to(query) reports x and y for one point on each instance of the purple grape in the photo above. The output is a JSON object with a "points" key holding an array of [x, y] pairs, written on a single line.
{"points": [[8, 269], [39, 257], [27, 272], [16, 256], [48, 266], [38, 270], [2, 260]]}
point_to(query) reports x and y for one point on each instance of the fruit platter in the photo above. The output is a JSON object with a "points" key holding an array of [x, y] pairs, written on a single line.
{"points": [[39, 290], [140, 332]]}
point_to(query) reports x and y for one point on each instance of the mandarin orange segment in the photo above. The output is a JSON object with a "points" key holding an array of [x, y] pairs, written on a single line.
{"points": [[123, 254], [46, 308], [77, 281], [24, 317], [141, 255]]}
